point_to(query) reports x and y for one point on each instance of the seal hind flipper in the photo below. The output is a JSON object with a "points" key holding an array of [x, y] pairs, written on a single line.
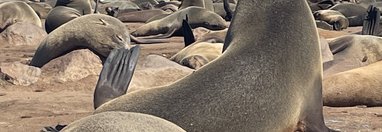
{"points": [[187, 33], [116, 75], [371, 22]]}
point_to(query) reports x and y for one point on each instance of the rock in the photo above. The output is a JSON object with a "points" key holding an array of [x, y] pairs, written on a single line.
{"points": [[20, 74], [73, 66], [22, 34], [157, 71]]}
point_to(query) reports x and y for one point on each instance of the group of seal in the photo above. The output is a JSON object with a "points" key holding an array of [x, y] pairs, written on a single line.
{"points": [[256, 83]]}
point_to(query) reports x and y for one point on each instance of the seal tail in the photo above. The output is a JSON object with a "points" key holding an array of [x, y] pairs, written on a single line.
{"points": [[371, 22], [116, 75], [187, 33]]}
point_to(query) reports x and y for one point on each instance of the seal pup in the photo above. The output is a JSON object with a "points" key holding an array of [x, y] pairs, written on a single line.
{"points": [[96, 32], [353, 51], [166, 27], [16, 11], [234, 92], [360, 86], [122, 122], [332, 17]]}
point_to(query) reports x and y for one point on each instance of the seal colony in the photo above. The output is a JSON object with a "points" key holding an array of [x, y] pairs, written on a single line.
{"points": [[220, 96]]}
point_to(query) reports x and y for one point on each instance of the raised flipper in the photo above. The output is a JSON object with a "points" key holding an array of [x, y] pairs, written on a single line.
{"points": [[228, 11], [187, 33], [116, 75], [371, 22], [147, 41]]}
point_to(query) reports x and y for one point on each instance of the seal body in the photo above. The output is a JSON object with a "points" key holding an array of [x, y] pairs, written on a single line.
{"points": [[97, 32], [197, 17], [198, 54], [234, 92], [122, 122], [17, 11]]}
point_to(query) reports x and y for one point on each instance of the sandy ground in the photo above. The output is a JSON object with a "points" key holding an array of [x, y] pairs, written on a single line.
{"points": [[51, 103]]}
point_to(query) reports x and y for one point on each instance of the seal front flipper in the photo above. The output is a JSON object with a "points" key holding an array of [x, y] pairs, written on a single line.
{"points": [[187, 33], [116, 75], [371, 22]]}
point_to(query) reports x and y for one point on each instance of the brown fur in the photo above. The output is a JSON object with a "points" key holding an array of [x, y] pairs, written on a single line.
{"points": [[360, 86], [97, 32], [198, 54], [259, 81], [122, 122], [12, 12]]}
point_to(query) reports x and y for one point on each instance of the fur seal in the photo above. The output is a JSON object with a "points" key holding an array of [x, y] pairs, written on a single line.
{"points": [[332, 17], [197, 55], [360, 86], [322, 5], [42, 9], [355, 13], [97, 32], [140, 16], [66, 10], [122, 122], [219, 8], [234, 92], [15, 11], [353, 51], [166, 27], [60, 15], [83, 6], [207, 4]]}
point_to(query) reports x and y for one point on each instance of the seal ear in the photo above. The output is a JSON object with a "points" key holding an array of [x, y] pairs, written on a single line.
{"points": [[116, 75], [187, 33], [371, 22]]}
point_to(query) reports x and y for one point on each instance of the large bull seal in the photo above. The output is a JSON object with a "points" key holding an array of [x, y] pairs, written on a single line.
{"points": [[260, 83]]}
